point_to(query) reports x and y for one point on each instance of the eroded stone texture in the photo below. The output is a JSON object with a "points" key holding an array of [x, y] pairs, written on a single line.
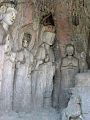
{"points": [[81, 89], [7, 82], [73, 110]]}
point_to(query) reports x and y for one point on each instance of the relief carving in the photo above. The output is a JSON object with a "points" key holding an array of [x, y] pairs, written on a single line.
{"points": [[8, 62], [69, 68], [44, 71], [24, 67], [82, 63]]}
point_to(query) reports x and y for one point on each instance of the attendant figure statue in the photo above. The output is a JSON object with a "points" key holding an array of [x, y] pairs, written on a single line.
{"points": [[22, 86], [42, 79], [83, 64]]}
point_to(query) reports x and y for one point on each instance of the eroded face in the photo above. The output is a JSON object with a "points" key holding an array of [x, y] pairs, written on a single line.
{"points": [[49, 38], [25, 43], [26, 40], [70, 50], [9, 17]]}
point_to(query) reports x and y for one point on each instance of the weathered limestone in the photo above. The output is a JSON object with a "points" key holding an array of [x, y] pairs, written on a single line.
{"points": [[73, 110], [81, 89], [7, 81]]}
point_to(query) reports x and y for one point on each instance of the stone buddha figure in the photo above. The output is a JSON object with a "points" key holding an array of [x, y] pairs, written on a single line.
{"points": [[69, 68], [22, 86], [69, 62]]}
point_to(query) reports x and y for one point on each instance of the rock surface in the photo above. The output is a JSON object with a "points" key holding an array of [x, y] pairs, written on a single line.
{"points": [[34, 115]]}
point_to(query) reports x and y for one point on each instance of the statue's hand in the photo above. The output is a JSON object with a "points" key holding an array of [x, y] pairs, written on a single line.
{"points": [[39, 63], [47, 59]]}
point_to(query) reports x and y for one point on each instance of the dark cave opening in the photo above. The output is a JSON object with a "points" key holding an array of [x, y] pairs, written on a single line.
{"points": [[47, 20]]}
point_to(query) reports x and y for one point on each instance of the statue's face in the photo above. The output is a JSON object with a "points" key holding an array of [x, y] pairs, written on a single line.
{"points": [[26, 40], [49, 38], [25, 43], [9, 17], [70, 50]]}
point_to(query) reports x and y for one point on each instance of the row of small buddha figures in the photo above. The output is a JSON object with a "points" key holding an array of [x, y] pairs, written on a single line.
{"points": [[71, 62]]}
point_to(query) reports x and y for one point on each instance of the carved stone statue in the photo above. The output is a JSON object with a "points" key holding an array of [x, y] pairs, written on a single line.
{"points": [[42, 80], [69, 68], [83, 64], [73, 110], [7, 19], [8, 58], [22, 87]]}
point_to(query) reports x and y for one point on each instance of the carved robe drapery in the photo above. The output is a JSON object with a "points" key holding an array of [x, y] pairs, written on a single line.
{"points": [[22, 86]]}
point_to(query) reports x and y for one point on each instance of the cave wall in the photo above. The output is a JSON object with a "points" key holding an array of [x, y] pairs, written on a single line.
{"points": [[67, 31], [76, 33]]}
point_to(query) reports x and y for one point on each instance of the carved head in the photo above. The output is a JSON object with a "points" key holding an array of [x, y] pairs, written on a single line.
{"points": [[49, 35], [83, 55], [70, 49], [26, 40], [8, 14], [48, 38]]}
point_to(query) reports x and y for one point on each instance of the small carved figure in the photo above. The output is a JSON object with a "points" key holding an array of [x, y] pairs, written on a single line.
{"points": [[69, 68], [22, 87], [73, 110], [83, 64], [44, 71]]}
